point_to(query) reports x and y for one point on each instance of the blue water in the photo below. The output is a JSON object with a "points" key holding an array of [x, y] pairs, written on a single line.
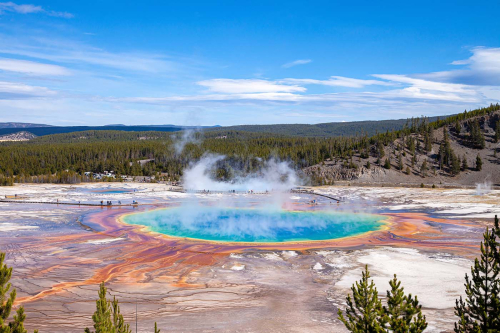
{"points": [[112, 191], [107, 191], [254, 225]]}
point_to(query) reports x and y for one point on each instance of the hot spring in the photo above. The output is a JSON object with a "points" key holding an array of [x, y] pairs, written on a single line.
{"points": [[255, 225]]}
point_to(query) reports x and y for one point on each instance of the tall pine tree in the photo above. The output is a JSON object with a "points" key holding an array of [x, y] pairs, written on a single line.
{"points": [[107, 317], [7, 300], [480, 311], [403, 313], [479, 163], [496, 138], [364, 308]]}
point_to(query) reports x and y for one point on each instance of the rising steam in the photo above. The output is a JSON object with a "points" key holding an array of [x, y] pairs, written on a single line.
{"points": [[273, 176], [484, 187], [188, 136]]}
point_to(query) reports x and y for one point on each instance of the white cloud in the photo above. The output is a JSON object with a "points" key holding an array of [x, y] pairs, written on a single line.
{"points": [[244, 86], [29, 9], [32, 68], [11, 89], [483, 59], [222, 100], [482, 68], [306, 114], [22, 9], [338, 81], [296, 63], [60, 14], [426, 89], [78, 54], [425, 84]]}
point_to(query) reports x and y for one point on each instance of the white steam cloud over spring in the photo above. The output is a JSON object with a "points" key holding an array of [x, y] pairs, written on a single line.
{"points": [[273, 176]]}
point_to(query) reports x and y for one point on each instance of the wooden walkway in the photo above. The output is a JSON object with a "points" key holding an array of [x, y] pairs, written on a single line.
{"points": [[310, 192], [66, 203], [318, 194]]}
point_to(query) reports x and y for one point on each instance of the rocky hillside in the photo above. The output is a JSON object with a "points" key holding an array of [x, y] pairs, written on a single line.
{"points": [[465, 151], [19, 136]]}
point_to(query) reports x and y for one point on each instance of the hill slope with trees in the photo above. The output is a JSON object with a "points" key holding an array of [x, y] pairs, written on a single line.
{"points": [[460, 149]]}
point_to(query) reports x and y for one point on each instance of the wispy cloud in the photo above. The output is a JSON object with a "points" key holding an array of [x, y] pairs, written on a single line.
{"points": [[79, 55], [30, 9], [226, 100], [31, 68], [22, 9], [481, 68], [243, 86], [11, 90], [296, 63], [404, 89], [338, 81]]}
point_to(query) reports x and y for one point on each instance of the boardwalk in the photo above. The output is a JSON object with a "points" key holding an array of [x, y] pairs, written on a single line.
{"points": [[66, 203], [317, 194], [208, 192], [298, 191]]}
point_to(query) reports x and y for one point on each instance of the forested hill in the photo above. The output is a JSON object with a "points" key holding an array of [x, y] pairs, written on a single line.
{"points": [[463, 147], [459, 150], [41, 131], [355, 128]]}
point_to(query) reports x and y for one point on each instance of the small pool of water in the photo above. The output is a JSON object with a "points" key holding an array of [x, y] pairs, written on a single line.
{"points": [[254, 225], [107, 190]]}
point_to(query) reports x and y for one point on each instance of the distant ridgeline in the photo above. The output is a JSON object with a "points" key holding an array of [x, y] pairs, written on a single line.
{"points": [[65, 157], [48, 130], [353, 128]]}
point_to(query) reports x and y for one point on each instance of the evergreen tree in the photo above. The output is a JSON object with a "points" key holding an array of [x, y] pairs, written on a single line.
{"points": [[380, 149], [455, 165], [457, 127], [7, 301], [465, 166], [424, 168], [428, 137], [479, 163], [497, 131], [387, 163], [107, 317], [480, 312], [364, 308], [400, 162], [403, 312], [476, 135], [496, 249], [411, 146]]}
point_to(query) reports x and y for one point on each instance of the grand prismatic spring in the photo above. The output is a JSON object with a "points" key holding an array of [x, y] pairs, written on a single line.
{"points": [[261, 262], [254, 225]]}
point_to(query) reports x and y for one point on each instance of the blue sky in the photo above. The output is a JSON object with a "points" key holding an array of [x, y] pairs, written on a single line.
{"points": [[231, 62]]}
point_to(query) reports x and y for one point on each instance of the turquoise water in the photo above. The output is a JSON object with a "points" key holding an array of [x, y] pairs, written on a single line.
{"points": [[113, 191], [254, 225], [108, 191]]}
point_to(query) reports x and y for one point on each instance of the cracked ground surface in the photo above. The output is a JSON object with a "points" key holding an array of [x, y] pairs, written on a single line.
{"points": [[61, 253]]}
